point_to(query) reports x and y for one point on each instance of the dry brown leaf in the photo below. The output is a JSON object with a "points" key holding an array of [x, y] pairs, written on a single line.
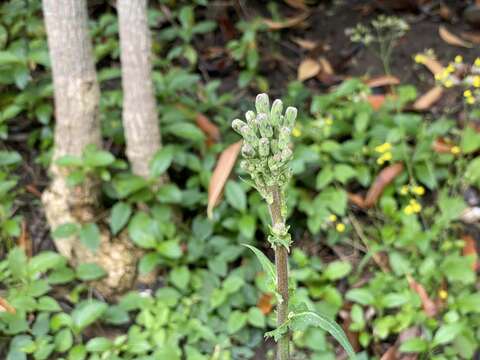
{"points": [[6, 307], [356, 200], [33, 190], [326, 66], [384, 178], [265, 303], [428, 305], [470, 249], [208, 128], [441, 147], [376, 101], [390, 354], [426, 101], [287, 23], [385, 80], [222, 171], [307, 69], [433, 65], [473, 37], [452, 39], [297, 4], [25, 241], [304, 43]]}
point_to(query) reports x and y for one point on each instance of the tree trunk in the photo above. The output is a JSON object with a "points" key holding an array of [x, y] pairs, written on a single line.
{"points": [[140, 119], [77, 93]]}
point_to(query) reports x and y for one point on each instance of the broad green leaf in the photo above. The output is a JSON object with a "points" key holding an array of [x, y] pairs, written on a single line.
{"points": [[161, 161], [235, 195], [180, 277], [99, 344], [307, 318], [90, 236], [415, 345], [236, 321], [87, 312], [470, 140], [9, 158], [256, 317], [446, 333], [65, 230], [90, 271], [337, 270], [120, 214], [141, 231]]}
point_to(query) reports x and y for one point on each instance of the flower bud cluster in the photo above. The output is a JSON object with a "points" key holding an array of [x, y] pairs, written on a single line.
{"points": [[267, 143]]}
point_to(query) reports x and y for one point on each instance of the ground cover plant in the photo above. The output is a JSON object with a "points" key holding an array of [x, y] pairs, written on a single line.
{"points": [[378, 174]]}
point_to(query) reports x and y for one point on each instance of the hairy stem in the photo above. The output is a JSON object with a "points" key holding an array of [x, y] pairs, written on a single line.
{"points": [[281, 264]]}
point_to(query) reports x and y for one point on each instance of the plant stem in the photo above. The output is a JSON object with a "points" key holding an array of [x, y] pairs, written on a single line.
{"points": [[281, 264]]}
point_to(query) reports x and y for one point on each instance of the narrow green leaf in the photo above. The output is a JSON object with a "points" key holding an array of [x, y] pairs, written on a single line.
{"points": [[325, 323], [267, 265]]}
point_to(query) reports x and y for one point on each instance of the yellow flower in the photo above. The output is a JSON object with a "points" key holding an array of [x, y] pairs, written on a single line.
{"points": [[404, 190], [476, 81], [296, 132], [332, 218], [443, 294], [408, 210], [477, 62], [455, 150], [385, 157], [450, 69], [470, 100], [416, 207], [329, 121], [383, 148], [458, 59], [420, 59], [340, 227], [419, 190], [467, 93], [448, 83]]}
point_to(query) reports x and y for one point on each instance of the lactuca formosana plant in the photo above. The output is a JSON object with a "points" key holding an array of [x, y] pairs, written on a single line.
{"points": [[266, 155]]}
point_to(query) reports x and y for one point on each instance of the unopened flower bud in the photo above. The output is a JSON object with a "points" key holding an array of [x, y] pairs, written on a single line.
{"points": [[276, 113], [244, 165], [263, 147], [250, 116], [262, 103], [237, 125], [286, 154], [248, 134], [274, 146], [290, 116], [265, 128], [284, 137], [248, 151]]}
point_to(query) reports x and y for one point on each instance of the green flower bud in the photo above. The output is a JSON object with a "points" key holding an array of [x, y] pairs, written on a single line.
{"points": [[284, 137], [237, 125], [274, 146], [263, 147], [286, 155], [250, 116], [276, 113], [290, 116], [244, 165], [249, 135], [248, 151], [265, 128], [262, 103]]}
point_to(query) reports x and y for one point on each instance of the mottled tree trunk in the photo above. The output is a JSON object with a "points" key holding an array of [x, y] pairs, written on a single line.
{"points": [[139, 106], [77, 125]]}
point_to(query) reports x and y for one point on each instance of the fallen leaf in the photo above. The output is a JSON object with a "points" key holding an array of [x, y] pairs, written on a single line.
{"points": [[265, 303], [426, 101], [6, 307], [287, 23], [433, 65], [470, 249], [376, 101], [307, 69], [473, 37], [441, 147], [297, 4], [304, 43], [384, 178], [208, 128], [222, 170], [385, 80], [356, 199], [428, 305], [452, 39], [33, 190], [24, 240], [390, 354], [326, 66]]}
